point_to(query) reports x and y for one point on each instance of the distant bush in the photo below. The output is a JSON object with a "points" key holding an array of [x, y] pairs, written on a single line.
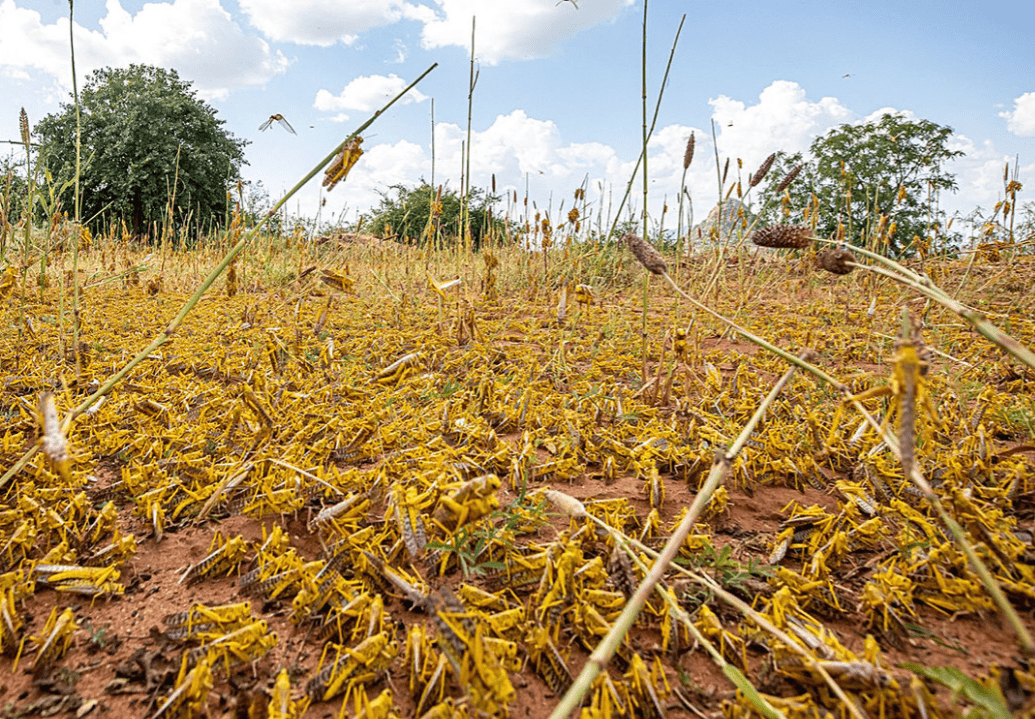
{"points": [[423, 214]]}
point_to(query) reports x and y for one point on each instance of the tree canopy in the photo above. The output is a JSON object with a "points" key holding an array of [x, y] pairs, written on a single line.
{"points": [[147, 141], [891, 167], [416, 214]]}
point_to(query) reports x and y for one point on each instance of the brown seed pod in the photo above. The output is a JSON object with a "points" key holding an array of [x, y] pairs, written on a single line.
{"points": [[836, 260], [688, 156], [791, 236], [762, 171], [645, 253], [789, 178]]}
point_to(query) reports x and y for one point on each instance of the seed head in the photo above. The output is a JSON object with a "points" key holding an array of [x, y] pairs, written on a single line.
{"points": [[565, 503], [23, 124], [688, 156], [645, 253], [790, 236], [836, 260], [762, 171], [791, 177]]}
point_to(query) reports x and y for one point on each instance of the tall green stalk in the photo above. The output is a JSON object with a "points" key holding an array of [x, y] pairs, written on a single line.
{"points": [[78, 206], [643, 154], [75, 96], [654, 121], [23, 125], [465, 224]]}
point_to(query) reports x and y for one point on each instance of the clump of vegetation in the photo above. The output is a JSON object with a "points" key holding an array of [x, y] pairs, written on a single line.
{"points": [[426, 216], [856, 174], [153, 152]]}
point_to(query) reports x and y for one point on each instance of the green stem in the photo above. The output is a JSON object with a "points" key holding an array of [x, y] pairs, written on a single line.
{"points": [[654, 121]]}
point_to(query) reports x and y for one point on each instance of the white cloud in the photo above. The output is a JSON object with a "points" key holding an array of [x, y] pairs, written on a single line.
{"points": [[876, 115], [783, 119], [321, 22], [512, 30], [401, 52], [1021, 120], [197, 37], [367, 92]]}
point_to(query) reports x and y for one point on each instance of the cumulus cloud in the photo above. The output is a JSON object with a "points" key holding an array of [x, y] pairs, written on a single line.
{"points": [[512, 30], [782, 119], [365, 93], [1021, 120], [322, 22], [197, 37]]}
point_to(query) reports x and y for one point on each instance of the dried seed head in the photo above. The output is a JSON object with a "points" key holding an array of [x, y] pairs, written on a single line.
{"points": [[763, 170], [791, 177], [23, 123], [688, 156], [565, 503], [836, 260], [790, 236], [645, 253]]}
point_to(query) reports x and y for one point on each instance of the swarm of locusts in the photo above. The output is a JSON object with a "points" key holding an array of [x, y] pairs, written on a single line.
{"points": [[459, 490]]}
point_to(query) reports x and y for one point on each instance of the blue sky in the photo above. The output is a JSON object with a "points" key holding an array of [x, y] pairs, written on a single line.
{"points": [[558, 95]]}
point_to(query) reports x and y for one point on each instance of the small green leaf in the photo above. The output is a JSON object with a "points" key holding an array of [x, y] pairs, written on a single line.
{"points": [[991, 700], [748, 689]]}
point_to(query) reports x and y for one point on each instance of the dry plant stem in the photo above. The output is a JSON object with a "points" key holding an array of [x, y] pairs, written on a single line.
{"points": [[924, 286], [627, 542], [976, 320], [387, 288], [979, 568], [935, 351], [765, 708], [572, 699], [206, 284]]}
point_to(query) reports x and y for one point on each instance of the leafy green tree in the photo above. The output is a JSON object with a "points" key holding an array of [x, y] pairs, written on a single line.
{"points": [[12, 189], [407, 215], [891, 167], [147, 141]]}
